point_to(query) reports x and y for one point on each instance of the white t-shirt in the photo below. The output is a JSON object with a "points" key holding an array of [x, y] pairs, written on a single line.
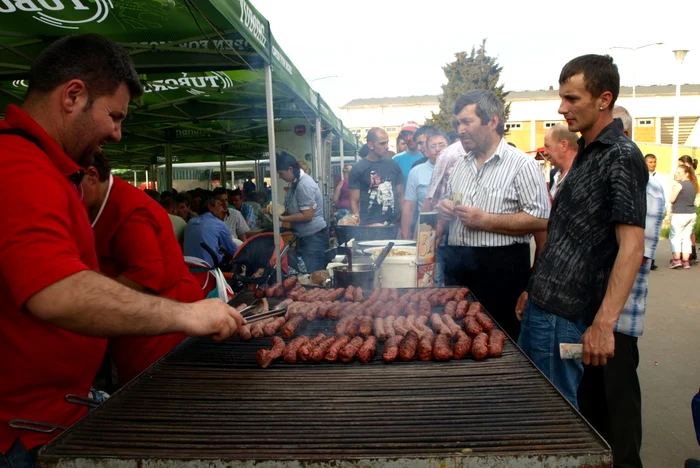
{"points": [[179, 226]]}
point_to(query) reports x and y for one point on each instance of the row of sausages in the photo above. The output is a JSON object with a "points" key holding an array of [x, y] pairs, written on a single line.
{"points": [[320, 348]]}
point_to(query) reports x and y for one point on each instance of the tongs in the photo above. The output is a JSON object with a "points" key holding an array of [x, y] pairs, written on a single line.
{"points": [[251, 314]]}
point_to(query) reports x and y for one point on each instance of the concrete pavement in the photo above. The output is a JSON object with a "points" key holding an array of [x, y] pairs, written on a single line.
{"points": [[669, 368]]}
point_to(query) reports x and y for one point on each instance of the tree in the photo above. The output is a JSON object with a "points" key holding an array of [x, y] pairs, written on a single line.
{"points": [[474, 71]]}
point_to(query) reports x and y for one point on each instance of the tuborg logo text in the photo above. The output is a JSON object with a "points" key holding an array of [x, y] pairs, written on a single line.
{"points": [[216, 81], [66, 14]]}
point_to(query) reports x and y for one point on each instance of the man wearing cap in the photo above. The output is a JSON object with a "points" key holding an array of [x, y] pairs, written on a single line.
{"points": [[412, 154]]}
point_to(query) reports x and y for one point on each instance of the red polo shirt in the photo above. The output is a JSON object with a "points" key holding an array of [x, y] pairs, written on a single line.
{"points": [[46, 237], [135, 239]]}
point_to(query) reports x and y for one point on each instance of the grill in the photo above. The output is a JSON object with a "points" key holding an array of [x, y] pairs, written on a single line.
{"points": [[208, 404]]}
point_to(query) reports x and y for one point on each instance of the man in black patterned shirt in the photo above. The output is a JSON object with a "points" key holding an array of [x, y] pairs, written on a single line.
{"points": [[595, 237]]}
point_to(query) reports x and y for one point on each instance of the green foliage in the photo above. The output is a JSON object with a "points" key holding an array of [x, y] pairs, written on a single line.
{"points": [[476, 70]]}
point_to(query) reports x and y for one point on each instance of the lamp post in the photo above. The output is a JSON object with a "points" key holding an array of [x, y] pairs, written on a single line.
{"points": [[634, 71], [680, 56]]}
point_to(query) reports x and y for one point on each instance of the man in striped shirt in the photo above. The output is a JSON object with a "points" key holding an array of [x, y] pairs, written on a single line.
{"points": [[495, 199], [609, 396]]}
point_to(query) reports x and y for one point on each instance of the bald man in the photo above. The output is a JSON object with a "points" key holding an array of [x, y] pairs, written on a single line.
{"points": [[561, 146]]}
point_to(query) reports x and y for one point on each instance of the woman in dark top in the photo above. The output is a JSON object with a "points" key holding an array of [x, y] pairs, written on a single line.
{"points": [[683, 218], [341, 198]]}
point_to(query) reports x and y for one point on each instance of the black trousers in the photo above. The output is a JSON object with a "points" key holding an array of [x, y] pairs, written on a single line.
{"points": [[610, 399], [496, 275]]}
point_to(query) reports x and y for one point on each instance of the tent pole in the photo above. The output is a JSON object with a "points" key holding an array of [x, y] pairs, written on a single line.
{"points": [[222, 164], [169, 167], [342, 157], [136, 182], [273, 168], [147, 179]]}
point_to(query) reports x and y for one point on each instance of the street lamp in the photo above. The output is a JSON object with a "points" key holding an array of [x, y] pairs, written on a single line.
{"points": [[680, 56], [634, 71]]}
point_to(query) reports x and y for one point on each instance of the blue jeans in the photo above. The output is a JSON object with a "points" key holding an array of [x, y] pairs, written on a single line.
{"points": [[19, 457], [312, 250], [540, 336]]}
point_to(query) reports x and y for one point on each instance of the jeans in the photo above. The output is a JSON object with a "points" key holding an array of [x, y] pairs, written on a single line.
{"points": [[312, 250], [682, 225], [19, 457], [540, 336]]}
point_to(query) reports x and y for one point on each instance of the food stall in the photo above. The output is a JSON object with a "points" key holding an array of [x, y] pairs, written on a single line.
{"points": [[214, 404]]}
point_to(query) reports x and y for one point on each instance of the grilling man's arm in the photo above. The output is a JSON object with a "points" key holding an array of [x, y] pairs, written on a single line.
{"points": [[90, 304], [355, 201]]}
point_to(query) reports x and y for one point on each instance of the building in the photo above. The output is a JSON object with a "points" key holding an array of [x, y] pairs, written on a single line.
{"points": [[533, 112]]}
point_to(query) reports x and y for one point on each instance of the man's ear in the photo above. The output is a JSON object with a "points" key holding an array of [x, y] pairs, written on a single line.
{"points": [[74, 96]]}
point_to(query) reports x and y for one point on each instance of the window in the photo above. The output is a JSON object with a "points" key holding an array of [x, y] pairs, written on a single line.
{"points": [[514, 126], [550, 124], [645, 122], [391, 129]]}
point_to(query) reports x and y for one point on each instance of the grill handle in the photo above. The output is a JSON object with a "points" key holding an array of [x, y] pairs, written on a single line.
{"points": [[35, 426]]}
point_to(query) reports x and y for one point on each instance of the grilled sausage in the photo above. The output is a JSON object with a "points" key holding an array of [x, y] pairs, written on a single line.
{"points": [[354, 325], [425, 346], [450, 324], [289, 283], [391, 348], [409, 346], [472, 326], [463, 345], [442, 351], [292, 348], [349, 293], [379, 330], [400, 325], [389, 326], [274, 326], [304, 353], [496, 340], [245, 333], [461, 312], [319, 352], [358, 296], [257, 328], [474, 308], [485, 321], [367, 350], [374, 297], [394, 294], [334, 349], [461, 294], [424, 308], [480, 346], [264, 357], [438, 325], [290, 328], [342, 326], [366, 326], [451, 309]]}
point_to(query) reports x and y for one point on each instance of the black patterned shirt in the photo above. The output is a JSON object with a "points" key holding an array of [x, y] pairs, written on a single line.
{"points": [[605, 186]]}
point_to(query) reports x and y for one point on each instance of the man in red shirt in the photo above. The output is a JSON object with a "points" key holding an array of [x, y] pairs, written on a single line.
{"points": [[136, 246], [55, 309]]}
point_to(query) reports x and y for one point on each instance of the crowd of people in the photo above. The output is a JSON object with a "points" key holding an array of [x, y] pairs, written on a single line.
{"points": [[78, 281]]}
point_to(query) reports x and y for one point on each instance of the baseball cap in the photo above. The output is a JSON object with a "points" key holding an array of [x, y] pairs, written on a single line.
{"points": [[409, 126]]}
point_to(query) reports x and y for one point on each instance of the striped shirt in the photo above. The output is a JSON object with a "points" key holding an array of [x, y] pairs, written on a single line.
{"points": [[509, 182], [631, 320]]}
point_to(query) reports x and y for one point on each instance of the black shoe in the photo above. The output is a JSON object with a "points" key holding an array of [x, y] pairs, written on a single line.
{"points": [[653, 266], [692, 463]]}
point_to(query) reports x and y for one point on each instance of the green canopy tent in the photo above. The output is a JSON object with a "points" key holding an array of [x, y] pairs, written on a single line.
{"points": [[164, 37]]}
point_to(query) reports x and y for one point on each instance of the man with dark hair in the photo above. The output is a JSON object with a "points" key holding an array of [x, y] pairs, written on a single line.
{"points": [[210, 229], [495, 199], [412, 153], [376, 183], [184, 202], [154, 194], [595, 237], [235, 202], [249, 186], [421, 139], [234, 218], [136, 247], [54, 320], [179, 224]]}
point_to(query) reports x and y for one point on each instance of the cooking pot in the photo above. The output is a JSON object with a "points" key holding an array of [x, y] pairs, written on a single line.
{"points": [[364, 276]]}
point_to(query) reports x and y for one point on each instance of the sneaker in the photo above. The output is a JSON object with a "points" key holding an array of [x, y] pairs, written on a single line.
{"points": [[686, 265], [675, 264]]}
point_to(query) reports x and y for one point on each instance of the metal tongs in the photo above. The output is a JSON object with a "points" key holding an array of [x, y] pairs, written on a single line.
{"points": [[252, 313]]}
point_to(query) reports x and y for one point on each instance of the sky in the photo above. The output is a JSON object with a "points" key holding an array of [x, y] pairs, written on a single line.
{"points": [[385, 48]]}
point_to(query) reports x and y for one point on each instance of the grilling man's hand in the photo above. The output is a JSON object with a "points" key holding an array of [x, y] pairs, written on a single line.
{"points": [[471, 217], [214, 318], [447, 210]]}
